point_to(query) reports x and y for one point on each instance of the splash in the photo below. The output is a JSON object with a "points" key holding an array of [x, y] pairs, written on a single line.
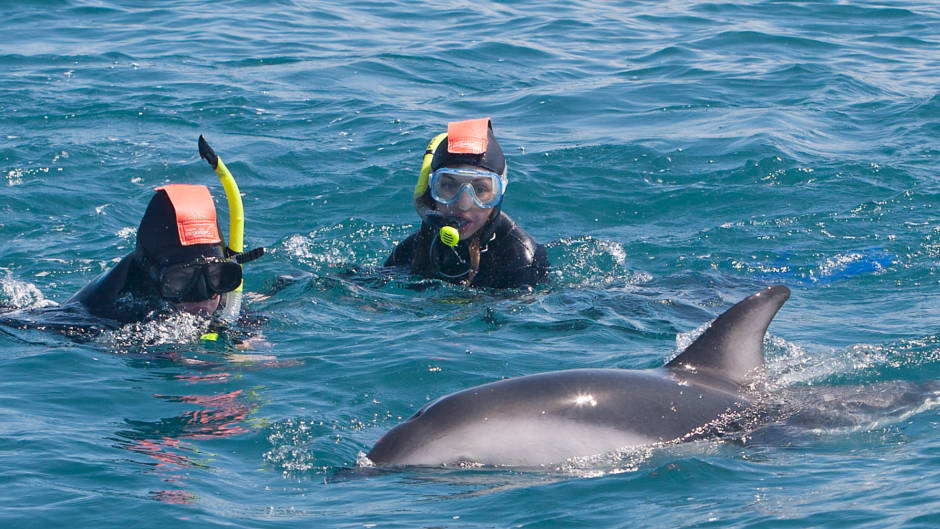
{"points": [[20, 294], [615, 462], [176, 328], [588, 261], [342, 244], [292, 446], [840, 391], [790, 364], [685, 339]]}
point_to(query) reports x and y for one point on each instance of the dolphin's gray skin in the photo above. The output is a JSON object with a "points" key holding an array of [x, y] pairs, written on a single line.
{"points": [[547, 418]]}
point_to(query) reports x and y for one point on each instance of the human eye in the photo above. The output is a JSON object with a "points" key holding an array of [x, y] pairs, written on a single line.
{"points": [[482, 187], [450, 184]]}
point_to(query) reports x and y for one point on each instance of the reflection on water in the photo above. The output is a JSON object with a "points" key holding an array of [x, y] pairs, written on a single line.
{"points": [[163, 440], [170, 444], [170, 465], [220, 416]]}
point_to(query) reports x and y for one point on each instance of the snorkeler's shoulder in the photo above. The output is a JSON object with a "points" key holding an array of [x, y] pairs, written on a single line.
{"points": [[513, 241], [402, 253], [107, 287]]}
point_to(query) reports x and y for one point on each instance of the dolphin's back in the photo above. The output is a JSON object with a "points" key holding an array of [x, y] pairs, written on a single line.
{"points": [[548, 417]]}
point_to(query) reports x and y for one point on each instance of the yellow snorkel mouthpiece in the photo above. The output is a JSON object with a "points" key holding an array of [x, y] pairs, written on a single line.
{"points": [[450, 236]]}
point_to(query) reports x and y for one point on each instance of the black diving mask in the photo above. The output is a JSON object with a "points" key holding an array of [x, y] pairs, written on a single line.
{"points": [[198, 280]]}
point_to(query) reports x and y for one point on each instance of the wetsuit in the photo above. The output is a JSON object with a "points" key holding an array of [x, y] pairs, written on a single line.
{"points": [[123, 294], [509, 258], [128, 292], [179, 226], [116, 297]]}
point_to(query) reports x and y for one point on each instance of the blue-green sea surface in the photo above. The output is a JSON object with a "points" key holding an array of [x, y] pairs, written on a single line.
{"points": [[675, 157]]}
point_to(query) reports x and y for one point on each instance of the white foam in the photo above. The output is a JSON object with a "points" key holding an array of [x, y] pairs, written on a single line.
{"points": [[22, 295]]}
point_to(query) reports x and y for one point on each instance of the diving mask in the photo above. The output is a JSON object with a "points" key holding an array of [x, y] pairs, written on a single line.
{"points": [[484, 187], [198, 280]]}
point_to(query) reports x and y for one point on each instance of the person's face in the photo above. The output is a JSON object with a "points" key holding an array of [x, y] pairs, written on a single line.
{"points": [[472, 216], [194, 286], [205, 307]]}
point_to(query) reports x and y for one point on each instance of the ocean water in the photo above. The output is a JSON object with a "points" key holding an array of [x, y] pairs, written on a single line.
{"points": [[674, 157]]}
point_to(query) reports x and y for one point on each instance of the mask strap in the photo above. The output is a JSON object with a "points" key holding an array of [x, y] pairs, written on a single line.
{"points": [[244, 257]]}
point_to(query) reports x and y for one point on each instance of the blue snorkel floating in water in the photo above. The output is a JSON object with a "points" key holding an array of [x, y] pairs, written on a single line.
{"points": [[840, 267], [717, 388]]}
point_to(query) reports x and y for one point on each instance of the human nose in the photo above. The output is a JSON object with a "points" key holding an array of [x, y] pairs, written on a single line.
{"points": [[464, 200]]}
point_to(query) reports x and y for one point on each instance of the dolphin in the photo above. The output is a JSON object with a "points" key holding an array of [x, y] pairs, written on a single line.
{"points": [[548, 418]]}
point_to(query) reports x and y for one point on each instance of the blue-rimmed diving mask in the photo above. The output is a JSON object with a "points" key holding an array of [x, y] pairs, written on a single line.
{"points": [[485, 188]]}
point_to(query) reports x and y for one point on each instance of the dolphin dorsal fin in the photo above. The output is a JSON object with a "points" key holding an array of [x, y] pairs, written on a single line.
{"points": [[732, 346]]}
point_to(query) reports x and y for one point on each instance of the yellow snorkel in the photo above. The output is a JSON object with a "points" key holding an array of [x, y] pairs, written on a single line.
{"points": [[422, 186], [236, 223], [448, 234]]}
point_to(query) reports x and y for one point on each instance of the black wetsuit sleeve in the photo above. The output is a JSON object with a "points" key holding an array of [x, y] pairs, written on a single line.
{"points": [[534, 272], [91, 310], [100, 295], [513, 260], [403, 253]]}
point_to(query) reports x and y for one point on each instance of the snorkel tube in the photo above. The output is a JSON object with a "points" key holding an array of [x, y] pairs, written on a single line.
{"points": [[447, 228], [236, 223]]}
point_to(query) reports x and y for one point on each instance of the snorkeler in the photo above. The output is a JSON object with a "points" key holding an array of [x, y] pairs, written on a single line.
{"points": [[464, 236], [179, 262]]}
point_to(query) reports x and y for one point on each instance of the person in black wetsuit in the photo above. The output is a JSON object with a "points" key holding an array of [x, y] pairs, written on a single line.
{"points": [[178, 263], [460, 191]]}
